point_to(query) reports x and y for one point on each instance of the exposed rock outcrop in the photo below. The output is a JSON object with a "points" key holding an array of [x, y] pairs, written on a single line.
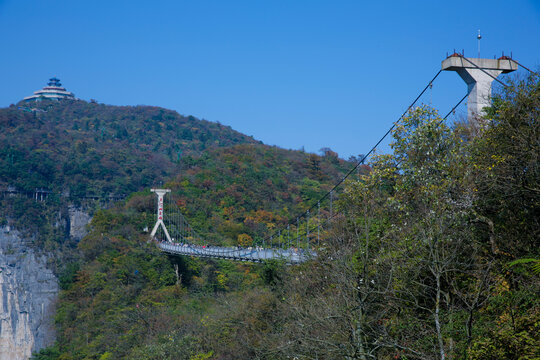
{"points": [[28, 291], [78, 220]]}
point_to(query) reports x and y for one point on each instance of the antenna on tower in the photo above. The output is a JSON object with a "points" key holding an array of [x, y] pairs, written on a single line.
{"points": [[479, 37]]}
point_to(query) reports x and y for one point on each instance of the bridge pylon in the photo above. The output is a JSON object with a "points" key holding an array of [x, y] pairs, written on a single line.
{"points": [[478, 74], [160, 213]]}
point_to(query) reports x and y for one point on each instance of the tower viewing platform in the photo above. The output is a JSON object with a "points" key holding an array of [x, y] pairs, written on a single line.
{"points": [[53, 91]]}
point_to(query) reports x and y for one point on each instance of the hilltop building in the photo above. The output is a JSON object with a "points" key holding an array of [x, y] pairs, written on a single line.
{"points": [[53, 91]]}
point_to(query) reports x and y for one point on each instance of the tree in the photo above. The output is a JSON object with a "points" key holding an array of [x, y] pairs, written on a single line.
{"points": [[507, 170], [245, 240], [506, 174], [390, 281]]}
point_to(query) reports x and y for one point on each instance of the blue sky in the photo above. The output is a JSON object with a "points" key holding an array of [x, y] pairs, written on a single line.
{"points": [[295, 74]]}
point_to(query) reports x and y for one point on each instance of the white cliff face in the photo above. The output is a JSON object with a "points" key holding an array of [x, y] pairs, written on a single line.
{"points": [[28, 291], [78, 220]]}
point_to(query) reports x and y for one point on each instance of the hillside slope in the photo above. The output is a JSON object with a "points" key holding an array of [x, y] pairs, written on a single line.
{"points": [[80, 151], [227, 184], [96, 149], [434, 255]]}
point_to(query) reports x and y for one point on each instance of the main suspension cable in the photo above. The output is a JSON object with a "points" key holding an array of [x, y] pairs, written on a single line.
{"points": [[526, 68], [361, 161]]}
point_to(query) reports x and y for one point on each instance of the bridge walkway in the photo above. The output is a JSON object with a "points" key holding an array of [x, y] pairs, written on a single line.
{"points": [[252, 254]]}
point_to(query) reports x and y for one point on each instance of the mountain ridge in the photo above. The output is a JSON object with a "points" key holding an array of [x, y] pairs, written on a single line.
{"points": [[54, 134]]}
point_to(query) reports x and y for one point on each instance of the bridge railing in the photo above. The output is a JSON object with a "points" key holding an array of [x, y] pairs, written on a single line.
{"points": [[300, 240], [253, 254]]}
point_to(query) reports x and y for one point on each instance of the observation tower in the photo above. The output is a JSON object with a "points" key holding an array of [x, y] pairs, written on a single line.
{"points": [[53, 91]]}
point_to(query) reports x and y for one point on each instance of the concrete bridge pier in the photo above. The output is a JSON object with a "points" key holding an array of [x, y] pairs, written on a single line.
{"points": [[479, 79]]}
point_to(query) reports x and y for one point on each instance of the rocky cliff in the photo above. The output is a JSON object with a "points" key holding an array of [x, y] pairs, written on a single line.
{"points": [[28, 291], [78, 219]]}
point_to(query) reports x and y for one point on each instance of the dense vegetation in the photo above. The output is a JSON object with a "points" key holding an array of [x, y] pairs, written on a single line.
{"points": [[251, 189], [79, 150], [434, 255], [82, 151], [88, 149]]}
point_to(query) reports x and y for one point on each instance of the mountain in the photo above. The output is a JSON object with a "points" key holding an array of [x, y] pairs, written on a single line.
{"points": [[63, 162], [432, 251], [94, 149]]}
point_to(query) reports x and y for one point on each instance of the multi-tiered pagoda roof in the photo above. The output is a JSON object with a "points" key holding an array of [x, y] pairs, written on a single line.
{"points": [[53, 90]]}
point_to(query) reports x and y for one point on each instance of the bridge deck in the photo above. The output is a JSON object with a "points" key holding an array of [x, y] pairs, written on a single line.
{"points": [[293, 256]]}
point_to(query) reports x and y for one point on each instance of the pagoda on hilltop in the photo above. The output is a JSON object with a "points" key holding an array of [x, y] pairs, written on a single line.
{"points": [[53, 91]]}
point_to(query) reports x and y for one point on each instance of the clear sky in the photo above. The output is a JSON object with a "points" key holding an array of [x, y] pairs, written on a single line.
{"points": [[291, 73]]}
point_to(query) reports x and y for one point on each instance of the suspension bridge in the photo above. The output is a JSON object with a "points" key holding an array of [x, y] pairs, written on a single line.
{"points": [[175, 236], [301, 238]]}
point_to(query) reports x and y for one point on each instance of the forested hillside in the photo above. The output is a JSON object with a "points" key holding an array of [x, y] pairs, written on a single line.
{"points": [[227, 184], [89, 149], [434, 255], [251, 189], [81, 151]]}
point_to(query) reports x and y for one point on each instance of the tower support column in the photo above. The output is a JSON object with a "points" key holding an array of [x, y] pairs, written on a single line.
{"points": [[160, 213], [479, 79], [479, 88]]}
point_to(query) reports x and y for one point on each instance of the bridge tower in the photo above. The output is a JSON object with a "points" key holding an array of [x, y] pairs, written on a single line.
{"points": [[160, 213], [478, 73]]}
